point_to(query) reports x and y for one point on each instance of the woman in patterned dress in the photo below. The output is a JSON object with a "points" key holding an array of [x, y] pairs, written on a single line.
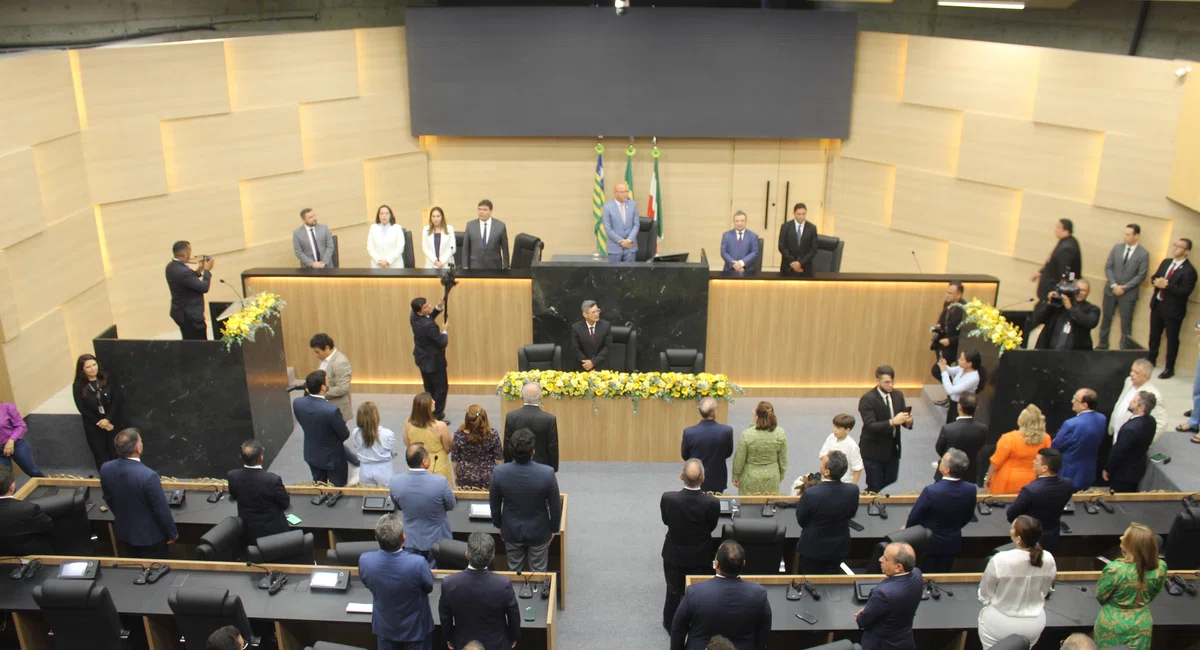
{"points": [[1126, 588], [476, 450], [761, 458]]}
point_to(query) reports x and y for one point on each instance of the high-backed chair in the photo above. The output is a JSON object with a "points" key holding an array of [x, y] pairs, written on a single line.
{"points": [[917, 537], [539, 356], [409, 255], [72, 533], [844, 644], [1012, 642], [623, 355], [762, 540], [450, 554], [647, 240], [681, 360], [200, 612], [335, 258], [1182, 550], [223, 542], [756, 264], [829, 254], [325, 645], [81, 614], [526, 249], [459, 237], [292, 547], [347, 553]]}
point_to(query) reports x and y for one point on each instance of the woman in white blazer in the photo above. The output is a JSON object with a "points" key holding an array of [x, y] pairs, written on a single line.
{"points": [[385, 242], [437, 240]]}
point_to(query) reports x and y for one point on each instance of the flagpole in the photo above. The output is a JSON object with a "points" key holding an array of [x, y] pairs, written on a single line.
{"points": [[598, 198]]}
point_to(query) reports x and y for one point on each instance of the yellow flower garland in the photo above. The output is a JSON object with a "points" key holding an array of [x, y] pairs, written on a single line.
{"points": [[608, 383], [991, 326], [242, 325]]}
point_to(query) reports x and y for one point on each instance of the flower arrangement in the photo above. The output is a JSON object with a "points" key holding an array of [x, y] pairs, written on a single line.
{"points": [[990, 325], [667, 386], [242, 325]]}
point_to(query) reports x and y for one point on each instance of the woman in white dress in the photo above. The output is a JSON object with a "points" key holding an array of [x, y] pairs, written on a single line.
{"points": [[374, 446], [437, 240], [385, 242], [1015, 585], [966, 377]]}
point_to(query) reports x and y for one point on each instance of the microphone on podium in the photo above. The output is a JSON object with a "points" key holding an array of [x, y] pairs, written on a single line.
{"points": [[232, 288], [914, 255], [1017, 303]]}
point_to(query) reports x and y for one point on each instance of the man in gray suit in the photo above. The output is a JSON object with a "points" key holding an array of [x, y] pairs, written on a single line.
{"points": [[1125, 270], [486, 243], [312, 242], [620, 217]]}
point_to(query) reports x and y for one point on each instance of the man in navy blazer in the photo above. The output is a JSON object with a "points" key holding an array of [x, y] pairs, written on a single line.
{"points": [[262, 500], [712, 443], [424, 498], [886, 620], [739, 247], [824, 513], [1127, 460], [399, 583], [1079, 440], [478, 605], [134, 494], [1045, 497], [944, 508], [526, 505], [620, 219], [725, 605], [324, 431]]}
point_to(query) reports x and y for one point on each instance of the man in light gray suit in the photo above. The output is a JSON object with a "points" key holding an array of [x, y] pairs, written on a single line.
{"points": [[620, 217], [486, 243], [312, 242], [423, 498], [1125, 270]]}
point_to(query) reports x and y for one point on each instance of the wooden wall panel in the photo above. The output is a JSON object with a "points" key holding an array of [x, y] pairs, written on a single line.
{"points": [[271, 205], [382, 62], [879, 65], [402, 183], [268, 141], [62, 177], [39, 360], [993, 78], [231, 147], [802, 178], [141, 302], [754, 173], [209, 217], [862, 190], [945, 207], [1135, 176], [23, 212], [38, 104], [124, 162], [1185, 169], [352, 246], [55, 265], [1027, 155], [1013, 273], [87, 315], [895, 133], [10, 323], [291, 68], [871, 248], [354, 129], [1097, 230]]}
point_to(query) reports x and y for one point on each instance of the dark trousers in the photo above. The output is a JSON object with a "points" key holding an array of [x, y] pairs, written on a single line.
{"points": [[881, 475], [194, 331], [815, 567], [934, 563], [332, 476], [437, 386], [1159, 325], [1124, 486], [675, 575], [102, 445], [23, 456], [155, 552], [1123, 304]]}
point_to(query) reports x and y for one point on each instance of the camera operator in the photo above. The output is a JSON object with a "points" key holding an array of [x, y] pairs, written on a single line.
{"points": [[1068, 317]]}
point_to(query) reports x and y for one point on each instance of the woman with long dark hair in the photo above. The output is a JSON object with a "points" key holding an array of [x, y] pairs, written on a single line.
{"points": [[385, 241], [422, 427], [967, 377], [476, 450], [1014, 587], [437, 240], [98, 400], [1126, 588]]}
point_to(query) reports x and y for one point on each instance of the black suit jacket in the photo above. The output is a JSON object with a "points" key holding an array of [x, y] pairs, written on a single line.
{"points": [[824, 513], [545, 433], [134, 494], [187, 293], [261, 502], [585, 348], [690, 517], [967, 435], [1064, 258], [1044, 499], [478, 605], [731, 607], [793, 250], [1173, 305], [324, 432], [879, 441], [26, 529], [712, 444], [1083, 316], [1127, 460], [429, 343], [526, 505], [948, 323]]}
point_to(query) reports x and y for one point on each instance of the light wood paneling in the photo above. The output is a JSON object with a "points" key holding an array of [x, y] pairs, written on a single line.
{"points": [[1135, 176], [1013, 273], [87, 315], [209, 217], [352, 246], [141, 302], [24, 216], [879, 65], [1027, 155], [1097, 230], [38, 103], [891, 132], [994, 78], [1185, 169], [870, 248], [367, 317], [862, 190], [948, 208], [888, 323], [231, 147], [39, 361], [382, 62], [696, 206], [802, 168], [55, 265], [271, 205], [10, 323], [62, 177], [354, 129], [402, 183], [268, 141], [291, 68], [124, 162]]}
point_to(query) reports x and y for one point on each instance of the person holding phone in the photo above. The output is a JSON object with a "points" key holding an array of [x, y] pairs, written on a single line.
{"points": [[883, 414]]}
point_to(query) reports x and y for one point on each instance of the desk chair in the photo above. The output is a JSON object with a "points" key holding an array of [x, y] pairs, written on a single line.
{"points": [[200, 612], [292, 547], [844, 644], [325, 645], [335, 258], [918, 537], [347, 553], [623, 355], [647, 240], [81, 614], [459, 237], [450, 554], [72, 533], [829, 254], [526, 249], [679, 360], [763, 542], [539, 356], [1182, 550], [1012, 642], [409, 256], [222, 543]]}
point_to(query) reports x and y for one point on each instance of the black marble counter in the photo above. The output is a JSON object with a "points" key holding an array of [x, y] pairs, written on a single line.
{"points": [[368, 272], [852, 277]]}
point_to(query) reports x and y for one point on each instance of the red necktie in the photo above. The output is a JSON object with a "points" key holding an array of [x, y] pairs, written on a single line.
{"points": [[592, 333], [1170, 271]]}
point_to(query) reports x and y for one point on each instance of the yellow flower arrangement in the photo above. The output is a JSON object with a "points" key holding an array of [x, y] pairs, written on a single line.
{"points": [[607, 383], [991, 326], [242, 325]]}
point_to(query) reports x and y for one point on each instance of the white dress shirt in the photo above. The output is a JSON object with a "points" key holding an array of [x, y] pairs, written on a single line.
{"points": [[312, 243], [448, 247], [325, 363], [385, 243], [1170, 269], [1126, 254], [846, 446], [1013, 586], [1121, 414], [956, 382]]}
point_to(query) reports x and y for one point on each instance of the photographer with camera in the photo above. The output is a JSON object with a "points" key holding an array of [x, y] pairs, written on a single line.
{"points": [[429, 350], [1068, 317], [187, 290]]}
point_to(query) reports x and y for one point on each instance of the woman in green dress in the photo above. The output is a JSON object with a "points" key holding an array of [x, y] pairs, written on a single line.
{"points": [[1126, 588], [761, 458]]}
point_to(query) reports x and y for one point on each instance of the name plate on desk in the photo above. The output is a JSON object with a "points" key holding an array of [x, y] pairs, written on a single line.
{"points": [[481, 511]]}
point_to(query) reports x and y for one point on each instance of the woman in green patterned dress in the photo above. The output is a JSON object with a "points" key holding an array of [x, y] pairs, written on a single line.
{"points": [[1126, 588], [761, 459]]}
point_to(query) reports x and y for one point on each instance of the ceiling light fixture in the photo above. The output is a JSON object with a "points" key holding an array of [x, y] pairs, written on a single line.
{"points": [[981, 4]]}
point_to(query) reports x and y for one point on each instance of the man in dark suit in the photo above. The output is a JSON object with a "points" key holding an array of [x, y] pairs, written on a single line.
{"points": [[824, 513], [1173, 282], [26, 528], [485, 245], [725, 605], [690, 516], [400, 583], [739, 247], [886, 620], [424, 498], [1064, 259], [591, 338], [1127, 461], [1069, 325], [429, 351], [712, 443], [134, 494], [1045, 497], [261, 499], [944, 508], [945, 331], [543, 425], [526, 505], [478, 605], [324, 431], [883, 413], [797, 244], [187, 291], [965, 434]]}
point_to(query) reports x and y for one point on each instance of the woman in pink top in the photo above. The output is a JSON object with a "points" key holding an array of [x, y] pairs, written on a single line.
{"points": [[12, 438]]}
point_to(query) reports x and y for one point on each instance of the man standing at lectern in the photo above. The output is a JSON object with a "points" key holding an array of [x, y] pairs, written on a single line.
{"points": [[591, 338], [187, 291], [620, 217], [797, 244]]}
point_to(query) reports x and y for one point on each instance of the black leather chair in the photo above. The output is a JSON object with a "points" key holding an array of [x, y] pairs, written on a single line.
{"points": [[292, 547], [72, 534], [325, 645], [681, 360], [1012, 642], [829, 254], [647, 240], [539, 356], [459, 237], [81, 614], [223, 542], [756, 263], [763, 541], [347, 553], [917, 537], [409, 256], [336, 259], [450, 554], [526, 249], [623, 355], [844, 644], [200, 612], [1182, 549]]}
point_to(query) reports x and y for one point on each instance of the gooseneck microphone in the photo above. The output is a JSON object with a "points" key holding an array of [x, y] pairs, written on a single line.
{"points": [[1017, 303], [232, 288], [914, 255], [1067, 584]]}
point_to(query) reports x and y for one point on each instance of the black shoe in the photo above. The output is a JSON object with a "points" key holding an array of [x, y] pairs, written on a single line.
{"points": [[1166, 374], [1188, 413], [942, 402]]}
